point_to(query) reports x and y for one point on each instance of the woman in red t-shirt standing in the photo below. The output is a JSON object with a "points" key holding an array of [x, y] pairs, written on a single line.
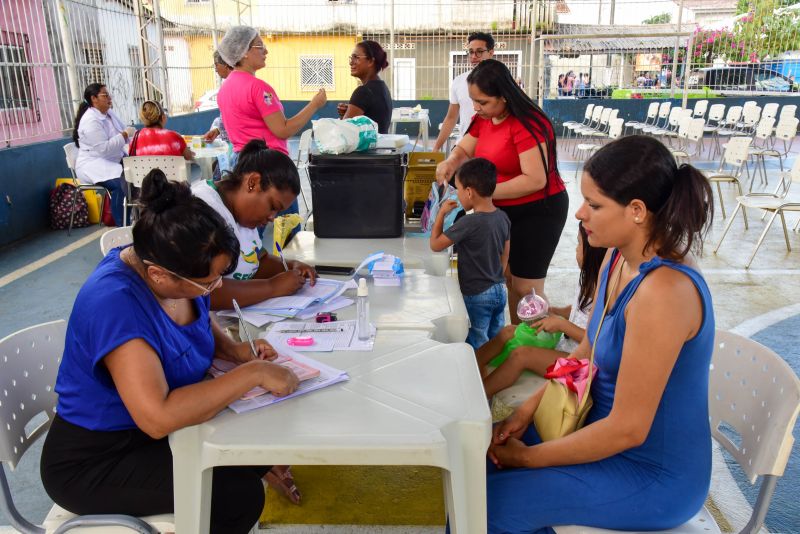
{"points": [[154, 139], [512, 132]]}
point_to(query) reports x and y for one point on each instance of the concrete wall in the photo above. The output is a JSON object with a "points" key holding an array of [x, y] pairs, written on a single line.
{"points": [[29, 172]]}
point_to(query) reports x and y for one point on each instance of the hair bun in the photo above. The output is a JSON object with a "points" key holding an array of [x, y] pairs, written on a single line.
{"points": [[159, 194], [253, 146]]}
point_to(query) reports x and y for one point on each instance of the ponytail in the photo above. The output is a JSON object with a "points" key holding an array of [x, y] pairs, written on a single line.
{"points": [[93, 89], [682, 222]]}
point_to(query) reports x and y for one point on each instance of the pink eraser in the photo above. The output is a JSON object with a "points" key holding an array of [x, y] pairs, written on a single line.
{"points": [[300, 341]]}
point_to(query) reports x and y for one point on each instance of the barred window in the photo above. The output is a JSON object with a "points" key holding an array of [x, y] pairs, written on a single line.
{"points": [[16, 80], [316, 72], [93, 70]]}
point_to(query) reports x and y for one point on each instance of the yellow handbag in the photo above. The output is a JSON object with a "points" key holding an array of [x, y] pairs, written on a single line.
{"points": [[559, 412]]}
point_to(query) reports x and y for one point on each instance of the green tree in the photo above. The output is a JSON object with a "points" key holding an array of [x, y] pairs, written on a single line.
{"points": [[663, 18]]}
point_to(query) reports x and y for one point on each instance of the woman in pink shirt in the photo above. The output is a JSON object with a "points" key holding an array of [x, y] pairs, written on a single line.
{"points": [[249, 106]]}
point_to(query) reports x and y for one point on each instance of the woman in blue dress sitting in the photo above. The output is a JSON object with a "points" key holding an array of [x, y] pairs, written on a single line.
{"points": [[643, 459]]}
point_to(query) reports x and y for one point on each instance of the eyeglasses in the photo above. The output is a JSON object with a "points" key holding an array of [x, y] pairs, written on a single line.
{"points": [[205, 288], [262, 47], [477, 53], [354, 57], [104, 94]]}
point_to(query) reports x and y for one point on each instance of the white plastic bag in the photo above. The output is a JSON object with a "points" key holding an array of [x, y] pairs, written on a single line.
{"points": [[355, 134]]}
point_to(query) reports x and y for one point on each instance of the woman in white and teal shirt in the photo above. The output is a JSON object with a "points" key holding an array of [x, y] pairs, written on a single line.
{"points": [[263, 183]]}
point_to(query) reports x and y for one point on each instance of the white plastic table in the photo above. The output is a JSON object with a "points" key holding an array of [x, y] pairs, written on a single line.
{"points": [[415, 252], [411, 401], [204, 157], [422, 302], [420, 117]]}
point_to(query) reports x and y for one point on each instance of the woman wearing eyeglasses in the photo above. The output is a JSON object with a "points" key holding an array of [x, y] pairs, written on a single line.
{"points": [[138, 345], [250, 107], [154, 139], [100, 138], [371, 98]]}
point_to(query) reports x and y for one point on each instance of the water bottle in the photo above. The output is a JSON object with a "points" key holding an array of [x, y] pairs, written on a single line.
{"points": [[362, 310]]}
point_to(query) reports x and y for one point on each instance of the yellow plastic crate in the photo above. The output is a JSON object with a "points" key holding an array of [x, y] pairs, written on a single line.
{"points": [[419, 177]]}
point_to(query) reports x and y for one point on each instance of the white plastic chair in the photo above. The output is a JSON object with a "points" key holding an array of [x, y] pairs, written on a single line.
{"points": [[135, 168], [585, 149], [303, 148], [727, 127], [775, 203], [116, 237], [716, 114], [752, 391], [29, 361], [649, 120], [594, 120], [731, 166], [663, 115], [690, 139], [770, 110], [700, 108], [587, 116], [71, 154]]}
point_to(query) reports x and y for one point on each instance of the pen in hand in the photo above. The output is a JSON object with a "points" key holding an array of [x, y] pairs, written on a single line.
{"points": [[280, 253], [244, 327]]}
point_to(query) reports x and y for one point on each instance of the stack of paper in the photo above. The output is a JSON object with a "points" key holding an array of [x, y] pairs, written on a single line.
{"points": [[322, 296], [327, 376], [385, 272]]}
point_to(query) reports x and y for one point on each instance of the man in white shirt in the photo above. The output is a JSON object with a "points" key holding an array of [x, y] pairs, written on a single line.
{"points": [[480, 46]]}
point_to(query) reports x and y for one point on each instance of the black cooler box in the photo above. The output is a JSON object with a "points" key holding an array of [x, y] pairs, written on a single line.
{"points": [[359, 194]]}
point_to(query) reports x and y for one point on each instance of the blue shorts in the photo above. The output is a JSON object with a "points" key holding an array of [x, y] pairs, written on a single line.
{"points": [[486, 312]]}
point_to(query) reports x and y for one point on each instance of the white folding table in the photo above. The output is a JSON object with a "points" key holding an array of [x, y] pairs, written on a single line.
{"points": [[411, 401], [415, 252]]}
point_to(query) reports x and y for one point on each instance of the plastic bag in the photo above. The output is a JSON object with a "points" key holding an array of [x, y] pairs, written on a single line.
{"points": [[432, 205], [530, 309], [355, 134]]}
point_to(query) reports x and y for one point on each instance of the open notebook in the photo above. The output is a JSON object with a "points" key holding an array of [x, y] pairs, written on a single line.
{"points": [[302, 370]]}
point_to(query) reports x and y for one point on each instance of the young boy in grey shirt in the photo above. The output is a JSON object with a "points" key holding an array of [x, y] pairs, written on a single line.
{"points": [[483, 243]]}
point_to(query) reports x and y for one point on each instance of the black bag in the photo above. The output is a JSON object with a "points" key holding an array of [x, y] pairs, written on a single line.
{"points": [[61, 207]]}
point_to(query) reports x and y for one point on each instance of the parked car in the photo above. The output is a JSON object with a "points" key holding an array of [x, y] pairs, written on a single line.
{"points": [[207, 101], [739, 80]]}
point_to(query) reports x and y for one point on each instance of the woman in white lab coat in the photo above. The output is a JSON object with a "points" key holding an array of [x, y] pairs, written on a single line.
{"points": [[101, 137]]}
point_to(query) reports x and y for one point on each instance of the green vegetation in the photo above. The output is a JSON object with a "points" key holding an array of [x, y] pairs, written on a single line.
{"points": [[660, 93], [663, 18]]}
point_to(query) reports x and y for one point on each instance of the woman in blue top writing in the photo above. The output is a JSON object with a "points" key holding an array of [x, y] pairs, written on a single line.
{"points": [[643, 459], [139, 342]]}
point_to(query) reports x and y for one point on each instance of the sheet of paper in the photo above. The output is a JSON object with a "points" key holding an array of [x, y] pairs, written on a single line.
{"points": [[333, 304], [254, 318], [369, 259], [328, 376], [327, 336], [306, 296]]}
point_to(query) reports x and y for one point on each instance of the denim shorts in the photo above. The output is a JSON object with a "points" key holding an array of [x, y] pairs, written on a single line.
{"points": [[486, 314]]}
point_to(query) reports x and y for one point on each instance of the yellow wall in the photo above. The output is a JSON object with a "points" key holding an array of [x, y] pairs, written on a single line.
{"points": [[283, 64]]}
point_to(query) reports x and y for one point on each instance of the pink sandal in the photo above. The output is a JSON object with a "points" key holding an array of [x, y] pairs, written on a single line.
{"points": [[281, 480]]}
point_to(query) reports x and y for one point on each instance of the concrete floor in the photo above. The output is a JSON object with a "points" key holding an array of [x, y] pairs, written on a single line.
{"points": [[745, 300]]}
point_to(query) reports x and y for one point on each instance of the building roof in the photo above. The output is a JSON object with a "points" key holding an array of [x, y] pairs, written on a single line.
{"points": [[720, 6], [613, 43]]}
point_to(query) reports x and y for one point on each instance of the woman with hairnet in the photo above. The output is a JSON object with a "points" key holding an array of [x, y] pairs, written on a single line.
{"points": [[250, 108]]}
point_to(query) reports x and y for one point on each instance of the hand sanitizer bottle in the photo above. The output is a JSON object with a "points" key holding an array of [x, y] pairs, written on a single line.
{"points": [[362, 310]]}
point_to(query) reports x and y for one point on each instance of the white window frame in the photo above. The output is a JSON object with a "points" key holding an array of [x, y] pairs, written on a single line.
{"points": [[16, 114], [516, 73], [309, 87]]}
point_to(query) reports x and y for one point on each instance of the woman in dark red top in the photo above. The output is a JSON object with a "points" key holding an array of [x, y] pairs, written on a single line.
{"points": [[512, 132], [154, 139]]}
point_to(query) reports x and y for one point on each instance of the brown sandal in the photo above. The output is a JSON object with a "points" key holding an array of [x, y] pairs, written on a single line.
{"points": [[281, 480]]}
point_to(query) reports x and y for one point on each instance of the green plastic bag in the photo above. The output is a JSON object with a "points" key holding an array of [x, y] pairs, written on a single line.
{"points": [[525, 336]]}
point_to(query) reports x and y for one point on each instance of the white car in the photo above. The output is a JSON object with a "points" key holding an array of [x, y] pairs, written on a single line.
{"points": [[207, 101]]}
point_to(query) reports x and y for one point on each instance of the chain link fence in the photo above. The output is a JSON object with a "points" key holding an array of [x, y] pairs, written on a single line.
{"points": [[162, 49]]}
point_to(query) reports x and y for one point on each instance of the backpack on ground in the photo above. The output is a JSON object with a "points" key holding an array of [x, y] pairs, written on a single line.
{"points": [[61, 199]]}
